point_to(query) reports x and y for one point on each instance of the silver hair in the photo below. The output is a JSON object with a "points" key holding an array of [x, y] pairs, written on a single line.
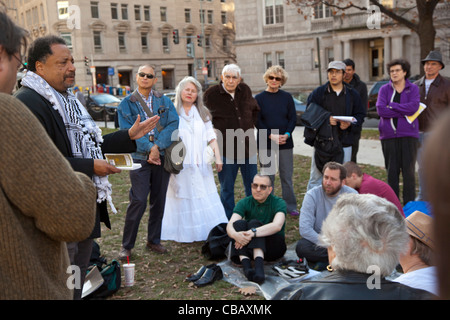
{"points": [[364, 230], [233, 69], [202, 110], [146, 66]]}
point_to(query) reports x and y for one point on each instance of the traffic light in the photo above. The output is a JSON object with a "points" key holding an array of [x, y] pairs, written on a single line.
{"points": [[200, 40], [176, 38], [190, 50], [208, 65], [86, 61]]}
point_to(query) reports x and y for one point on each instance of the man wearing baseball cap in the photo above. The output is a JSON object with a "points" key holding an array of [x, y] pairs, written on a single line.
{"points": [[417, 261], [435, 94], [339, 99]]}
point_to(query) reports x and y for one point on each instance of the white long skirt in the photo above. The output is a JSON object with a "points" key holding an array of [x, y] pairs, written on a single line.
{"points": [[193, 206]]}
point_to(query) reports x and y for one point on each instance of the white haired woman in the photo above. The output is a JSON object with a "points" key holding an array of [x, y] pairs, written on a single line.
{"points": [[364, 235], [193, 205]]}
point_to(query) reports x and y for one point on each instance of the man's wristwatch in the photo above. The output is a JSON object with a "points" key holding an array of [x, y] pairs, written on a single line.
{"points": [[254, 231]]}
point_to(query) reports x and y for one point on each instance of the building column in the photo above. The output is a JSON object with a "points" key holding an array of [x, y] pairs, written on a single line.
{"points": [[387, 52], [347, 50], [397, 47], [337, 48]]}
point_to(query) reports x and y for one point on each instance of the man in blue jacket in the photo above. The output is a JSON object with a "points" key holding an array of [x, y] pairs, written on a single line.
{"points": [[341, 100], [151, 177]]}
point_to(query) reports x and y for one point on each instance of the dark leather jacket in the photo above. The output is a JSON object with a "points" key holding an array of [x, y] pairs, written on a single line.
{"points": [[437, 100], [350, 285]]}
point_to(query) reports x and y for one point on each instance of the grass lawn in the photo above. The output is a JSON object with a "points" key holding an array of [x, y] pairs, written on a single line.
{"points": [[162, 276]]}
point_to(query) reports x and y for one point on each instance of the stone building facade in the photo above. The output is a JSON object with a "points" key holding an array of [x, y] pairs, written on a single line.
{"points": [[117, 36], [273, 32]]}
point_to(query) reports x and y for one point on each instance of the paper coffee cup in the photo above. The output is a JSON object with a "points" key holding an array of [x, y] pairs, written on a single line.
{"points": [[129, 274]]}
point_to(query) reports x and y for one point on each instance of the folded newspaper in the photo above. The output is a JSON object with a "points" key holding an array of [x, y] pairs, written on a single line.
{"points": [[411, 119], [345, 118]]}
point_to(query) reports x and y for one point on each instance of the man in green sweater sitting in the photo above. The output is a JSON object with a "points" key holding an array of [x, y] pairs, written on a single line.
{"points": [[257, 229]]}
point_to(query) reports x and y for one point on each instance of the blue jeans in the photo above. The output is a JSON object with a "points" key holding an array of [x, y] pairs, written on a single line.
{"points": [[227, 179]]}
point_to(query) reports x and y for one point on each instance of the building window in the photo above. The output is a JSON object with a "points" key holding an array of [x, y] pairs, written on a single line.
{"points": [[330, 54], [122, 45], [63, 10], [114, 13], [208, 41], [223, 16], [314, 59], [322, 11], [147, 13], [124, 9], [210, 16], [137, 12], [273, 11], [187, 15], [165, 43], [144, 42], [163, 14], [67, 36], [280, 59], [201, 14], [94, 10], [97, 41], [267, 60]]}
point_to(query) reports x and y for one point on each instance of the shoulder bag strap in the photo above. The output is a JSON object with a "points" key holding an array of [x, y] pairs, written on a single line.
{"points": [[144, 106]]}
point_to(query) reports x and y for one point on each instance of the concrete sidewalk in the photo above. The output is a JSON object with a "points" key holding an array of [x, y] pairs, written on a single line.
{"points": [[369, 150]]}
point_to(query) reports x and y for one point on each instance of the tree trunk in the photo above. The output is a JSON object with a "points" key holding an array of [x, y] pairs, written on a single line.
{"points": [[425, 27]]}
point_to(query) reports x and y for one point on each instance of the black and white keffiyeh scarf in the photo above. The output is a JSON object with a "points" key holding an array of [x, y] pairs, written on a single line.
{"points": [[84, 135]]}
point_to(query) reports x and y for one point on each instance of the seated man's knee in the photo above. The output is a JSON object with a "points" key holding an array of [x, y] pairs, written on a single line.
{"points": [[254, 224], [241, 225]]}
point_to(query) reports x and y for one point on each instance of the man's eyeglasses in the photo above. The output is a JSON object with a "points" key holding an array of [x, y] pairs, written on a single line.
{"points": [[147, 75], [261, 186], [275, 78]]}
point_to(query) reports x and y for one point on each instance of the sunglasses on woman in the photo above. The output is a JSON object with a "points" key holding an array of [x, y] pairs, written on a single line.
{"points": [[276, 78], [147, 75]]}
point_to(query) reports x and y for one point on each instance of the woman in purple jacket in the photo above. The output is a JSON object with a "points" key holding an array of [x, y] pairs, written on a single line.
{"points": [[397, 100]]}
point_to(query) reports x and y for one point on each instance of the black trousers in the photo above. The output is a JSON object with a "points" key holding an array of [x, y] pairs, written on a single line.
{"points": [[311, 251], [400, 156], [150, 179], [274, 246]]}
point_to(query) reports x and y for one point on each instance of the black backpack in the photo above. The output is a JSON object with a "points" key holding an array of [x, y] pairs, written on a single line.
{"points": [[217, 242]]}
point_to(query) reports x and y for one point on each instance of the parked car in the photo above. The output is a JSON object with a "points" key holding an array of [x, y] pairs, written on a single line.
{"points": [[300, 108], [171, 95], [97, 104], [372, 99]]}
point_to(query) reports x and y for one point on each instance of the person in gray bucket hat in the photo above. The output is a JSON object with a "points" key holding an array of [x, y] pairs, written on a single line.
{"points": [[435, 94], [434, 56]]}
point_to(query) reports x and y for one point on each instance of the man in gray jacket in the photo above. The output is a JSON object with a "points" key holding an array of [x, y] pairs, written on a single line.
{"points": [[315, 208]]}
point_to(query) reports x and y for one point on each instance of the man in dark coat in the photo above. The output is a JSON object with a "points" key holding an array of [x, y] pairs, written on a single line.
{"points": [[45, 92]]}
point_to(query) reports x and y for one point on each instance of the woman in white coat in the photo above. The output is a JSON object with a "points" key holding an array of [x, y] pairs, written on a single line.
{"points": [[193, 205]]}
